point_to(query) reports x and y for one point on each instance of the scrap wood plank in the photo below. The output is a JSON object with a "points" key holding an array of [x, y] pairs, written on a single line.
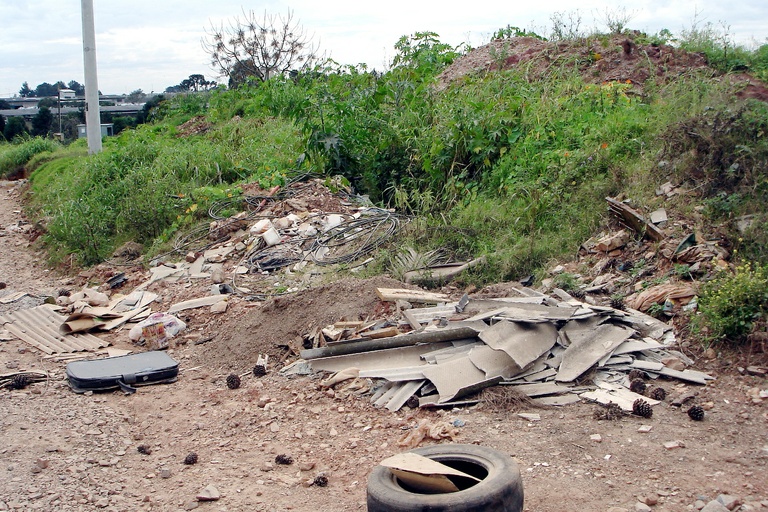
{"points": [[588, 347], [418, 296], [210, 300], [634, 220], [688, 375]]}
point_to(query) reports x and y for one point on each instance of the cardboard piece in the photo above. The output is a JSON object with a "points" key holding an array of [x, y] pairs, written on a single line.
{"points": [[423, 474]]}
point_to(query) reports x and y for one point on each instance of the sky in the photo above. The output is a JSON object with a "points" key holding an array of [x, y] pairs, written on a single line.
{"points": [[151, 45]]}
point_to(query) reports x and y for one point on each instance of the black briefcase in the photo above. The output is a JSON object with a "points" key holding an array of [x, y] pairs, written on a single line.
{"points": [[124, 372]]}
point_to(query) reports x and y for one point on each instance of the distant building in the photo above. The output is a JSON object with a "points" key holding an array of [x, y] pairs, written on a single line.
{"points": [[67, 94], [107, 130]]}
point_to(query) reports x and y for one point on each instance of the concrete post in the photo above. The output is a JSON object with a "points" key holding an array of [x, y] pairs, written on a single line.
{"points": [[92, 115]]}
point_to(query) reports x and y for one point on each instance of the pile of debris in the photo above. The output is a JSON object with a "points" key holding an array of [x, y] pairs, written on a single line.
{"points": [[287, 229], [543, 346]]}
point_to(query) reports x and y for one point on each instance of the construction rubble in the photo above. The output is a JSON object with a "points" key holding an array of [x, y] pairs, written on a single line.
{"points": [[556, 350]]}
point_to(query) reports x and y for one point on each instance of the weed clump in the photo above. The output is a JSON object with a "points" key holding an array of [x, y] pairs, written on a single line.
{"points": [[731, 303]]}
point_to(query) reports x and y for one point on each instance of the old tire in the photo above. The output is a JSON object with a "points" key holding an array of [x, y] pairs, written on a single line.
{"points": [[500, 488]]}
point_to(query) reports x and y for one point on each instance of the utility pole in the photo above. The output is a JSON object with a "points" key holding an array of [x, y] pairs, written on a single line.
{"points": [[61, 135], [92, 115]]}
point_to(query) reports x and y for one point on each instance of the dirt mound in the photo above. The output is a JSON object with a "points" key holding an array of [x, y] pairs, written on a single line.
{"points": [[617, 58], [271, 328]]}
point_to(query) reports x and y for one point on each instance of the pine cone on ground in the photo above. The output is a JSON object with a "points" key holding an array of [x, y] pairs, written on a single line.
{"points": [[658, 393], [259, 370], [144, 449], [617, 303], [19, 381], [636, 374], [637, 386], [284, 459], [642, 408], [321, 481], [696, 413], [611, 411], [190, 459], [233, 381]]}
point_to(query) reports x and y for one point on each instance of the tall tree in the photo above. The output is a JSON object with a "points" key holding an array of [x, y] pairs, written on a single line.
{"points": [[41, 123], [25, 91], [14, 127], [77, 87], [259, 47]]}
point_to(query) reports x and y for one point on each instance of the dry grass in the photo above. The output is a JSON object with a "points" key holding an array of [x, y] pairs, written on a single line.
{"points": [[504, 400]]}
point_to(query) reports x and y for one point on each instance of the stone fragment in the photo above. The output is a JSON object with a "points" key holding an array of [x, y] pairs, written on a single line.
{"points": [[596, 438], [714, 506], [644, 429], [307, 466], [671, 445], [220, 307], [642, 507], [209, 493], [728, 501]]}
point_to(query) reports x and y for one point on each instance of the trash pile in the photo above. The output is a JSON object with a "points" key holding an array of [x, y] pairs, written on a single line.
{"points": [[556, 350], [287, 229]]}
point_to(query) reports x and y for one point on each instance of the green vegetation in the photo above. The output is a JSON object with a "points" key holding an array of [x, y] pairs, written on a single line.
{"points": [[513, 164], [16, 156], [732, 303]]}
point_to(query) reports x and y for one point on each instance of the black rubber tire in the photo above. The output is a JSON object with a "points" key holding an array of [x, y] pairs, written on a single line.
{"points": [[500, 488]]}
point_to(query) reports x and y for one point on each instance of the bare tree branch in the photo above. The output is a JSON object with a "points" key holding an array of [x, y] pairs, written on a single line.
{"points": [[259, 47]]}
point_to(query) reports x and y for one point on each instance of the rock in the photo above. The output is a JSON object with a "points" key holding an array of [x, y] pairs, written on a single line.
{"points": [[617, 509], [103, 503], [165, 473], [714, 506], [642, 507], [650, 500], [710, 353], [699, 504], [209, 493], [307, 466], [217, 275], [674, 363], [728, 501], [220, 307], [644, 429], [267, 466], [191, 257], [671, 445], [596, 438], [191, 505]]}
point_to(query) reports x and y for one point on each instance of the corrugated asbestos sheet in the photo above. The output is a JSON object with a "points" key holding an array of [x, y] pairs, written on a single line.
{"points": [[39, 327]]}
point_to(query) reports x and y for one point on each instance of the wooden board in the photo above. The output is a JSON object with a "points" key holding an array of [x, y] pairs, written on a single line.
{"points": [[419, 296]]}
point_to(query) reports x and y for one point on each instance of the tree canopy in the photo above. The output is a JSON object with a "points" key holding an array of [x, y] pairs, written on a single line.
{"points": [[259, 46], [194, 83]]}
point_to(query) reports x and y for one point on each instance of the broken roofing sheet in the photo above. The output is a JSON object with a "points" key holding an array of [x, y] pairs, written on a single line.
{"points": [[540, 345]]}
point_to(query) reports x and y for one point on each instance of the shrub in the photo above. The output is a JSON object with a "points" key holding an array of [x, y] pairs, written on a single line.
{"points": [[731, 303], [15, 156]]}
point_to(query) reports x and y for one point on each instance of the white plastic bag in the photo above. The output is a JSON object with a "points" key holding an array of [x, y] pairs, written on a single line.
{"points": [[156, 330]]}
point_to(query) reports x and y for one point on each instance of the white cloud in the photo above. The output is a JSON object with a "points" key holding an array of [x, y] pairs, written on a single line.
{"points": [[150, 45]]}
